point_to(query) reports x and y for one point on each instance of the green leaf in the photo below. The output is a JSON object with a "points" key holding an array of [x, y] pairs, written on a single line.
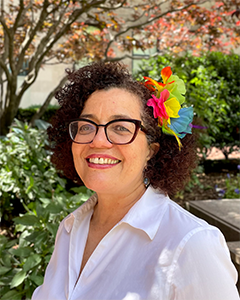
{"points": [[13, 295], [52, 228], [11, 243], [32, 237], [18, 279], [21, 251], [30, 185], [31, 262], [45, 200], [6, 259], [79, 189], [54, 208], [28, 220], [4, 270], [3, 240], [41, 237], [42, 124], [38, 280]]}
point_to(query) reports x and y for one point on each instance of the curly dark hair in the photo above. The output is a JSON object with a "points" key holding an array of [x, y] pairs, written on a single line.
{"points": [[169, 170]]}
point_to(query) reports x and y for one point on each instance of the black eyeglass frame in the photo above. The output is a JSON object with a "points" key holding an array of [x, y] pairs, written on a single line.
{"points": [[138, 125]]}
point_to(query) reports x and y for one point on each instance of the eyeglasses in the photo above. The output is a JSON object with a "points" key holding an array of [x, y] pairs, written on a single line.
{"points": [[118, 132]]}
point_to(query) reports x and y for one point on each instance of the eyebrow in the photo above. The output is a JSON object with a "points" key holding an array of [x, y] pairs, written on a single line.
{"points": [[114, 117]]}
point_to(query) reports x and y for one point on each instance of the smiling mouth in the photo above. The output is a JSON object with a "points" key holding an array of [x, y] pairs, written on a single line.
{"points": [[103, 161]]}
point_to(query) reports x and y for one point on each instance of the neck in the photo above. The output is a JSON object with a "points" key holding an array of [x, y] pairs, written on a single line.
{"points": [[110, 209]]}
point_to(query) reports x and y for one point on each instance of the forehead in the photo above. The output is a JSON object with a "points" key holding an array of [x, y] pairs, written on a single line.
{"points": [[104, 104]]}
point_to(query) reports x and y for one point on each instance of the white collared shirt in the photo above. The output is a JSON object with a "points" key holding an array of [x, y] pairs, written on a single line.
{"points": [[157, 251]]}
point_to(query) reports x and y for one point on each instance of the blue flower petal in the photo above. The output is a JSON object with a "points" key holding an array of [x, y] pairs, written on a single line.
{"points": [[181, 125]]}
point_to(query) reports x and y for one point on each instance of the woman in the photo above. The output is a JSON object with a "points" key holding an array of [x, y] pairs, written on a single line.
{"points": [[130, 142]]}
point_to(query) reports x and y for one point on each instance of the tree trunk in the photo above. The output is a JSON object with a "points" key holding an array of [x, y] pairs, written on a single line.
{"points": [[9, 109], [6, 121]]}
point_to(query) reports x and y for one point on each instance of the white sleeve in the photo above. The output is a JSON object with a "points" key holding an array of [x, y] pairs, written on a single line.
{"points": [[203, 269]]}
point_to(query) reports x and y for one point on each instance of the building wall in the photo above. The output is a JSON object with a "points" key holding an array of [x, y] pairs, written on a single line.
{"points": [[48, 77]]}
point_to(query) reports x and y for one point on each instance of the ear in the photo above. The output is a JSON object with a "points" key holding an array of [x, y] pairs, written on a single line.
{"points": [[153, 150]]}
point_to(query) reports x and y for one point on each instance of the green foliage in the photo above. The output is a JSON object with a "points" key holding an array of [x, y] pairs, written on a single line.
{"points": [[231, 188], [26, 114], [212, 82], [29, 182], [26, 172]]}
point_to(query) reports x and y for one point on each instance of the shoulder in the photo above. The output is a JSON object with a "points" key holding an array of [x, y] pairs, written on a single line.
{"points": [[194, 236], [180, 230], [183, 222], [173, 222], [200, 257]]}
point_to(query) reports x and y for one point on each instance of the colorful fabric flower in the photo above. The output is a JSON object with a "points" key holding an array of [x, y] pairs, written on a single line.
{"points": [[163, 107], [166, 103], [158, 107], [172, 83], [181, 126]]}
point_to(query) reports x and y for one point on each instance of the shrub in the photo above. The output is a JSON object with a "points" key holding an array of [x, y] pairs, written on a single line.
{"points": [[26, 114], [230, 188], [26, 172], [212, 83], [33, 201], [24, 259]]}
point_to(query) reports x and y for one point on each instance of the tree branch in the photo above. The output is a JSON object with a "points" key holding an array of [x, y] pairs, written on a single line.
{"points": [[148, 21], [106, 8], [40, 53], [74, 16], [4, 25], [46, 103], [5, 68], [19, 15], [29, 37]]}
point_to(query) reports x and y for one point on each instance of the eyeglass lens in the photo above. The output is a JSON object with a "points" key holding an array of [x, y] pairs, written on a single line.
{"points": [[118, 132]]}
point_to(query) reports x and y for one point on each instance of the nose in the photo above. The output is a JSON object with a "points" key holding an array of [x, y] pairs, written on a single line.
{"points": [[100, 140]]}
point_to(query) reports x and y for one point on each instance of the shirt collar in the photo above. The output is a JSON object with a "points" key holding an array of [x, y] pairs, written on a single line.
{"points": [[146, 214], [148, 211], [84, 208]]}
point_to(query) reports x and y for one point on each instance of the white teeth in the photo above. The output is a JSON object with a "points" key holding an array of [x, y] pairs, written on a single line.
{"points": [[95, 160], [103, 161]]}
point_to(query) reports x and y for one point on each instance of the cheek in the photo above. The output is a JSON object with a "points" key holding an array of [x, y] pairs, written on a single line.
{"points": [[76, 152], [73, 149], [138, 158]]}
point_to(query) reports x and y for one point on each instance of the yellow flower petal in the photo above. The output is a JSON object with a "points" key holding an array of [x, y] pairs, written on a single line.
{"points": [[172, 107], [167, 130]]}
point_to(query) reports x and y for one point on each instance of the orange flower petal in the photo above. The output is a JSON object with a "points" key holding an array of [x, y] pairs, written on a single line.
{"points": [[166, 73]]}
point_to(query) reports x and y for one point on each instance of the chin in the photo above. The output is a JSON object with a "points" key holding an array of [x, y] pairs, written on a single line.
{"points": [[98, 185]]}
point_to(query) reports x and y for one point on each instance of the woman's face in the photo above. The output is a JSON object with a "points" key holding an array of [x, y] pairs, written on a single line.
{"points": [[123, 171]]}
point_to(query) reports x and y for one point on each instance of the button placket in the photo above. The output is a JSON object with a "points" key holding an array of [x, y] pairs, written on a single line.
{"points": [[77, 238], [91, 264], [93, 260]]}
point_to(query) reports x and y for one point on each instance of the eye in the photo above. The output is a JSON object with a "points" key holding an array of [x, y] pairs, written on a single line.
{"points": [[121, 128], [86, 128]]}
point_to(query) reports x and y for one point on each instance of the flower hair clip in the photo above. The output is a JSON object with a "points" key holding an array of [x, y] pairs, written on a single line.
{"points": [[167, 100]]}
